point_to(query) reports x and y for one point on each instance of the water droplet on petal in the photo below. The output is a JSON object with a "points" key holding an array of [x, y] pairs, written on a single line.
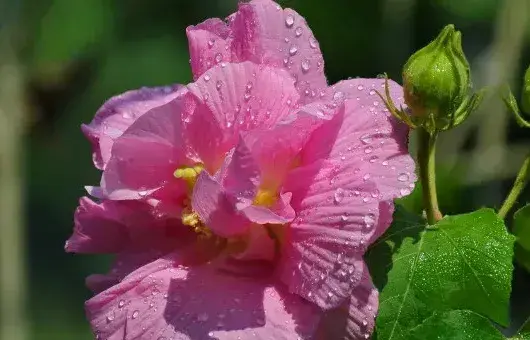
{"points": [[366, 177], [218, 57], [121, 303], [298, 31], [293, 50], [313, 43], [373, 159], [372, 92], [338, 196], [249, 86], [404, 191], [365, 322], [110, 317], [360, 87], [211, 42], [246, 96], [219, 84], [385, 163], [127, 115], [142, 193], [366, 139], [306, 65], [368, 149], [339, 95], [206, 78], [403, 177], [135, 314], [369, 219], [289, 21], [344, 218]]}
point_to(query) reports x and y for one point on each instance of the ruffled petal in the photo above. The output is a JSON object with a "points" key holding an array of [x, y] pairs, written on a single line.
{"points": [[266, 34], [210, 44], [146, 155], [119, 112], [125, 228], [235, 98], [164, 300], [217, 207], [275, 150], [369, 136], [355, 320], [97, 230], [354, 165], [336, 217]]}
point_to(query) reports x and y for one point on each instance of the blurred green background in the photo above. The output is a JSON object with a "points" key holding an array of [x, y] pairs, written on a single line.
{"points": [[61, 59]]}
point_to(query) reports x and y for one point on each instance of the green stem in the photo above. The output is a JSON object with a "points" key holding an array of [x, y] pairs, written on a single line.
{"points": [[520, 182], [426, 163], [13, 288]]}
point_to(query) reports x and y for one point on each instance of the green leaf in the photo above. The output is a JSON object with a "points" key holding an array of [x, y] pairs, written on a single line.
{"points": [[455, 325], [521, 226], [463, 262]]}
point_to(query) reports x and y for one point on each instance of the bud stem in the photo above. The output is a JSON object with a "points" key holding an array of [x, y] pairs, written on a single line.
{"points": [[520, 182], [426, 163]]}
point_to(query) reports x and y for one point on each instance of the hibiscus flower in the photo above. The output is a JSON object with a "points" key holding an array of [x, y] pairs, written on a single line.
{"points": [[240, 206]]}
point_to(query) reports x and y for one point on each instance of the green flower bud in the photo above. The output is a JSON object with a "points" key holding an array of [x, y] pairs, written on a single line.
{"points": [[436, 83], [526, 92]]}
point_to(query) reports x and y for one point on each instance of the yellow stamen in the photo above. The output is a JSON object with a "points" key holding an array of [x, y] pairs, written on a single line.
{"points": [[266, 197], [191, 219], [189, 174]]}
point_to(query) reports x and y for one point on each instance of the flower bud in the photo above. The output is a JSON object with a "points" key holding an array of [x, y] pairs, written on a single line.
{"points": [[526, 92], [436, 82]]}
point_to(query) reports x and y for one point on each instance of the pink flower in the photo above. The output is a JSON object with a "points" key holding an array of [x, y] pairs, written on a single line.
{"points": [[241, 205]]}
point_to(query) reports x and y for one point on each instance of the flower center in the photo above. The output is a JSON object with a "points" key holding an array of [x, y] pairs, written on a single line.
{"points": [[189, 174], [266, 196], [189, 217]]}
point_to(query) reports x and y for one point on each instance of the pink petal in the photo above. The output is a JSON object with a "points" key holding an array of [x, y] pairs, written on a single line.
{"points": [[260, 245], [336, 217], [275, 149], [164, 300], [235, 98], [119, 112], [266, 34], [217, 207], [125, 228], [369, 137], [356, 319], [146, 155], [97, 230], [280, 213], [352, 178], [240, 173], [210, 44]]}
